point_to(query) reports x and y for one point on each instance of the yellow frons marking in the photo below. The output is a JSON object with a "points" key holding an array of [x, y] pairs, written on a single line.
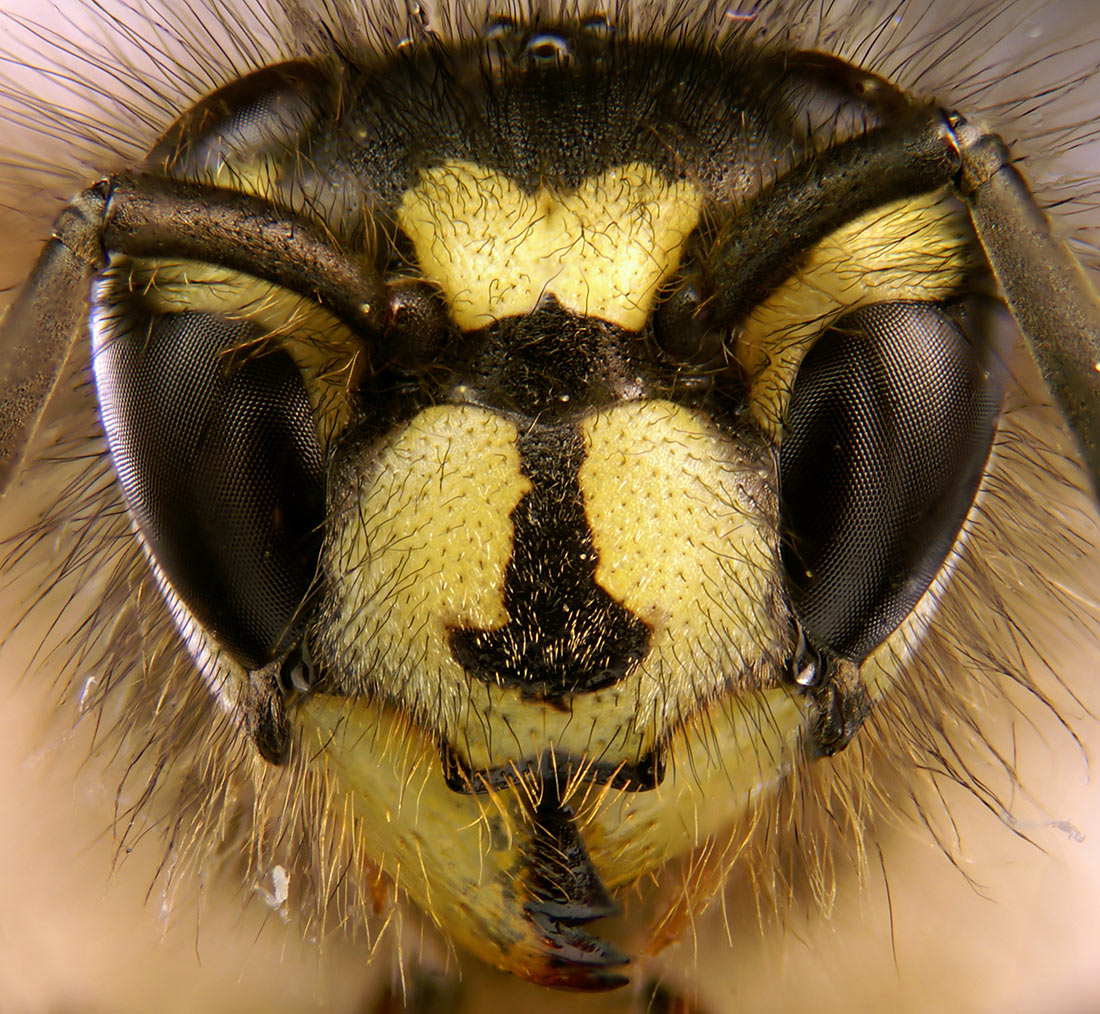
{"points": [[683, 529], [421, 546], [920, 248], [602, 250]]}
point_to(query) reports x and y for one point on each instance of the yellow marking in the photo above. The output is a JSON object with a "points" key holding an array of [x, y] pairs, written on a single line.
{"points": [[389, 771], [718, 767], [602, 250], [920, 249], [685, 532], [503, 726], [421, 545]]}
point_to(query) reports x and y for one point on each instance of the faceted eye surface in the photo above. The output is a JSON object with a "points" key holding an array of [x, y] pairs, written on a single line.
{"points": [[214, 444], [889, 426]]}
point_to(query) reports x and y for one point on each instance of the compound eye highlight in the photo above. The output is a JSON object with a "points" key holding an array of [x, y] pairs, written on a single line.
{"points": [[888, 429], [212, 436]]}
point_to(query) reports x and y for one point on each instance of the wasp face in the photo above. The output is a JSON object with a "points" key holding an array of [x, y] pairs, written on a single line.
{"points": [[545, 438]]}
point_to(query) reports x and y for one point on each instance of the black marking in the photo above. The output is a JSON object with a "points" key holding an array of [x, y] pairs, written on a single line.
{"points": [[555, 365], [499, 103], [552, 364], [564, 883], [638, 776], [567, 892], [564, 634]]}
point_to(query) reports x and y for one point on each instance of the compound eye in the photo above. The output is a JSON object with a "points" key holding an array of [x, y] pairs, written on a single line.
{"points": [[888, 429], [213, 440]]}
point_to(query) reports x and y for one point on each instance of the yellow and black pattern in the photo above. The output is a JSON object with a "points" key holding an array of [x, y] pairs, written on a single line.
{"points": [[560, 555], [548, 578]]}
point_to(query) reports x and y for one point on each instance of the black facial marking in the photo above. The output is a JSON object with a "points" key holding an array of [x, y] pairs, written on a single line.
{"points": [[552, 363], [564, 633], [565, 885], [545, 107], [638, 776], [566, 893], [556, 365]]}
